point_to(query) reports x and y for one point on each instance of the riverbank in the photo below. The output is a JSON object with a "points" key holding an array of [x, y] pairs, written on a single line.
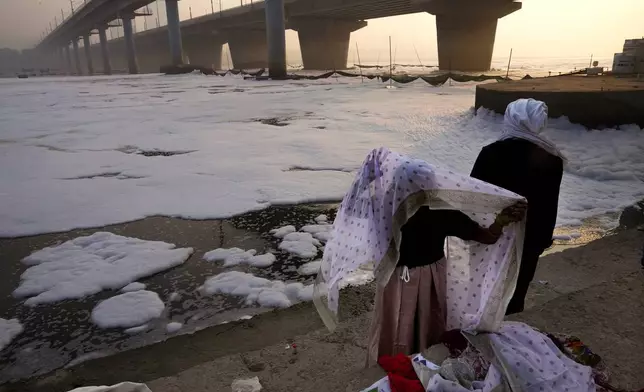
{"points": [[593, 291], [70, 337]]}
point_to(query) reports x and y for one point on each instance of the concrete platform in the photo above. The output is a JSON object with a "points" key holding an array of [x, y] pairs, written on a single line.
{"points": [[593, 101]]}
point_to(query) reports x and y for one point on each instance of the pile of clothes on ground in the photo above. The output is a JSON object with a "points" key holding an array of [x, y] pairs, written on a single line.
{"points": [[517, 358]]}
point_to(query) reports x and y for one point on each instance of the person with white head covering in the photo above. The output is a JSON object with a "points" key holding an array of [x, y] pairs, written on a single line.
{"points": [[524, 161]]}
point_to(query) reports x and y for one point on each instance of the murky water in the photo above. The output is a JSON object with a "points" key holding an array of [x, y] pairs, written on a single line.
{"points": [[62, 334]]}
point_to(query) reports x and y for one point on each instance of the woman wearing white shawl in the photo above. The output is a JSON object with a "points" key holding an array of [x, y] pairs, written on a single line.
{"points": [[524, 161], [415, 305]]}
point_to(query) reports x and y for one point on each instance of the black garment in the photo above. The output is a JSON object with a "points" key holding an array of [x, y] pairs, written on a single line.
{"points": [[424, 234], [529, 262], [642, 261], [530, 171]]}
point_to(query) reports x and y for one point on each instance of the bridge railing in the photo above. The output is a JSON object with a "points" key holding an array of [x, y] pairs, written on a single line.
{"points": [[189, 9], [65, 14], [154, 14]]}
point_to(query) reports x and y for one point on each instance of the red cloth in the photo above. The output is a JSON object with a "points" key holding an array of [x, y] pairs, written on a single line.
{"points": [[401, 373]]}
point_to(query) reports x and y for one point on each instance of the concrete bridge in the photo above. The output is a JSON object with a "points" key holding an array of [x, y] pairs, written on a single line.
{"points": [[466, 32]]}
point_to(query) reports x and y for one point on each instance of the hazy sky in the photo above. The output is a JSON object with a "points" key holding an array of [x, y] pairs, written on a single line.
{"points": [[543, 28]]}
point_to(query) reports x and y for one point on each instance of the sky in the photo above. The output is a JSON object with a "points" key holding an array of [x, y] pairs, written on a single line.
{"points": [[543, 28]]}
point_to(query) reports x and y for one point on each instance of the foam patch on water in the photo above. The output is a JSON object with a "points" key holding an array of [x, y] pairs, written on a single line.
{"points": [[320, 219], [263, 292], [236, 256], [300, 244], [282, 231], [88, 265], [137, 330], [321, 232], [173, 327], [128, 310], [134, 286], [311, 268], [9, 329]]}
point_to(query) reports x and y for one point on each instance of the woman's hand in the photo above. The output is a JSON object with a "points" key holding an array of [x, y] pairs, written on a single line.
{"points": [[514, 213]]}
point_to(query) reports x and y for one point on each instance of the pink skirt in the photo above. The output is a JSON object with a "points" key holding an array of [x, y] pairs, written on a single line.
{"points": [[409, 316]]}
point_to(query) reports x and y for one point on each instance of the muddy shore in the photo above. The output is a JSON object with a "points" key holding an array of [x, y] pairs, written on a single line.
{"points": [[594, 291]]}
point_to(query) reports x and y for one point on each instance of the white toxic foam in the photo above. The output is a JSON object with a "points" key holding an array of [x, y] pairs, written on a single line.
{"points": [[236, 256], [128, 310], [311, 268], [282, 231], [9, 329], [300, 244], [173, 327], [69, 167], [264, 292], [88, 265], [134, 286]]}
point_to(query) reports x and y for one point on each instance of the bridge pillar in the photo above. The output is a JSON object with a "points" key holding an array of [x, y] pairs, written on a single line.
{"points": [[466, 30], [57, 59], [60, 60], [68, 59], [204, 51], [130, 47], [276, 38], [118, 57], [249, 49], [105, 51], [77, 62], [52, 60], [325, 42], [88, 54], [174, 31]]}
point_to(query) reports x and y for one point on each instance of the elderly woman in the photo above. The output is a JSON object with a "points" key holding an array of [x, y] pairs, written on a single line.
{"points": [[527, 163]]}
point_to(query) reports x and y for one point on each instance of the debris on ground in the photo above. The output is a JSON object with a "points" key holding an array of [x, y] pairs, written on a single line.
{"points": [[246, 385]]}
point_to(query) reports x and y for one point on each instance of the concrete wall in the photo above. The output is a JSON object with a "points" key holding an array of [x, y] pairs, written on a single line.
{"points": [[595, 109]]}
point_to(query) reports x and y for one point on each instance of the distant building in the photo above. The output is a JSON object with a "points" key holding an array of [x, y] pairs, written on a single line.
{"points": [[631, 60]]}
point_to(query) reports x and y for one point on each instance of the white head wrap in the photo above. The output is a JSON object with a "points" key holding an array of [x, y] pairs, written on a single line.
{"points": [[526, 119], [388, 190]]}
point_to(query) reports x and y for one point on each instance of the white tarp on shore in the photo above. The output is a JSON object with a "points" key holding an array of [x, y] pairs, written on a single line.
{"points": [[122, 387]]}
